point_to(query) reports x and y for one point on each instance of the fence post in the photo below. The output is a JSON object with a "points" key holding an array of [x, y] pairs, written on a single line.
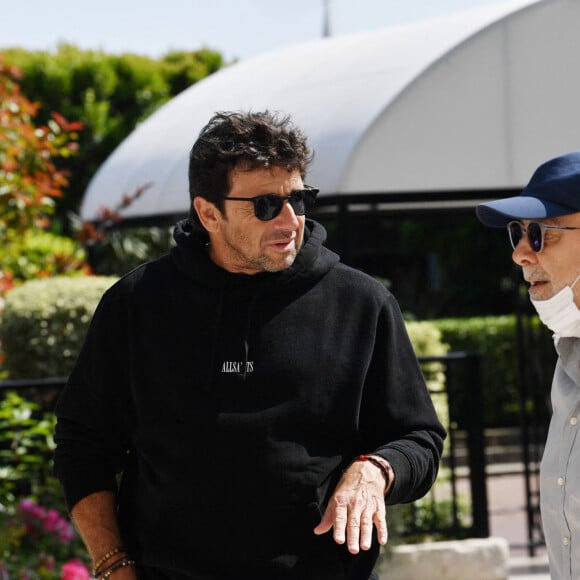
{"points": [[476, 444]]}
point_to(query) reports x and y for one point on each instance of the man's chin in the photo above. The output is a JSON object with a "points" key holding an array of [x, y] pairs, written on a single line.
{"points": [[280, 263], [540, 292]]}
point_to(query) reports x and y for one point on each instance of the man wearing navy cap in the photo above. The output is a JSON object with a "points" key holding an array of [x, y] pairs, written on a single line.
{"points": [[543, 224]]}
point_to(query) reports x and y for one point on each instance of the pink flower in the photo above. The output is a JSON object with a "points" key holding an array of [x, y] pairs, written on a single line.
{"points": [[38, 519], [54, 524], [65, 532], [26, 505], [32, 509], [51, 520], [75, 570]]}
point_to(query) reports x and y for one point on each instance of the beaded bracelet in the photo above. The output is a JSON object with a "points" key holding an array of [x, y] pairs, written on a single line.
{"points": [[111, 564], [105, 558], [120, 565]]}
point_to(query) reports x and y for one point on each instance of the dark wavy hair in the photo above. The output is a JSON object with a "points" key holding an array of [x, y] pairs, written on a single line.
{"points": [[237, 140]]}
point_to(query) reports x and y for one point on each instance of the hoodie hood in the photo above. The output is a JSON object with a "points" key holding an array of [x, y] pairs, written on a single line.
{"points": [[191, 257], [238, 295]]}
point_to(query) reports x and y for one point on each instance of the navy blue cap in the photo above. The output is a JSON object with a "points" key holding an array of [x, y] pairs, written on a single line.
{"points": [[553, 190]]}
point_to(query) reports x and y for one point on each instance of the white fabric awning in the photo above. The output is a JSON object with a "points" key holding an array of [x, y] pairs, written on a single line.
{"points": [[469, 101]]}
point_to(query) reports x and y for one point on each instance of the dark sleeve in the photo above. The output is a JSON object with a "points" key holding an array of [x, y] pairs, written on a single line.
{"points": [[397, 413], [84, 463], [94, 410]]}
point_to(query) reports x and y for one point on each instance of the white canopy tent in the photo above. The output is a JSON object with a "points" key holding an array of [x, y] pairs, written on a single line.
{"points": [[470, 101]]}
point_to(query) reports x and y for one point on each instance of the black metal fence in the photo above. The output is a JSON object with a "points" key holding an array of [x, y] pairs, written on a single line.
{"points": [[458, 500], [32, 384]]}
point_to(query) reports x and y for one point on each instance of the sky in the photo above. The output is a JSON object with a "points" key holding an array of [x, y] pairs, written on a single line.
{"points": [[238, 29]]}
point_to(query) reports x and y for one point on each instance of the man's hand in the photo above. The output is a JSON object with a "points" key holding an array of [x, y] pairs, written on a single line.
{"points": [[358, 504]]}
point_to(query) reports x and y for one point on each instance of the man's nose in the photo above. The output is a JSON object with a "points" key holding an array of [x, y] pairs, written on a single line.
{"points": [[523, 253], [287, 214]]}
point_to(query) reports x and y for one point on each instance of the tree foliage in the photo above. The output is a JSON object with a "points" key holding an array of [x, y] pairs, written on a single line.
{"points": [[46, 162], [30, 180], [109, 94]]}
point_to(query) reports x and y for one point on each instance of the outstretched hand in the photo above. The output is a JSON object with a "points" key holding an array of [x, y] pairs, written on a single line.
{"points": [[358, 504]]}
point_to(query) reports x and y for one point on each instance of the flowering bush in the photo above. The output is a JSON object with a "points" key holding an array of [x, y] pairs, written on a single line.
{"points": [[38, 543]]}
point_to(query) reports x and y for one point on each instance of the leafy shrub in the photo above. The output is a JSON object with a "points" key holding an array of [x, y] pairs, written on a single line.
{"points": [[120, 251], [45, 322], [429, 519], [29, 178], [423, 516], [26, 447], [496, 339], [36, 541], [427, 340], [40, 254]]}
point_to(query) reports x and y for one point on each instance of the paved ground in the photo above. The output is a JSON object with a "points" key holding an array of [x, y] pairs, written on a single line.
{"points": [[524, 568], [507, 511]]}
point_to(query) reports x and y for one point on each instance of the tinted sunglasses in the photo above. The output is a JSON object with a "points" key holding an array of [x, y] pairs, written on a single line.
{"points": [[268, 206], [534, 231]]}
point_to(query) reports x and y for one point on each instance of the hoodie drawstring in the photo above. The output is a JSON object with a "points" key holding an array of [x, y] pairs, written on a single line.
{"points": [[242, 374], [247, 328], [215, 339]]}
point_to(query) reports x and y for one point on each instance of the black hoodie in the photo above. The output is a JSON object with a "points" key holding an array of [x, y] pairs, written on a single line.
{"points": [[232, 404]]}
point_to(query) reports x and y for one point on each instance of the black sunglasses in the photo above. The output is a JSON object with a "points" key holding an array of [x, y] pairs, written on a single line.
{"points": [[268, 206], [534, 231]]}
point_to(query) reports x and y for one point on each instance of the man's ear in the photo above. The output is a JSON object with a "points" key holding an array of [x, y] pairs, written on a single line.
{"points": [[209, 215]]}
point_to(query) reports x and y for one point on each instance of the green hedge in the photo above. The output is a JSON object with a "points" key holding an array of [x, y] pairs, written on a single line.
{"points": [[44, 323], [427, 340], [496, 339]]}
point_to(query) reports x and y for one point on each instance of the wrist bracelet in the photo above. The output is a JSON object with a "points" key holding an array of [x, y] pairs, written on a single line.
{"points": [[112, 564], [120, 565], [105, 558], [386, 471]]}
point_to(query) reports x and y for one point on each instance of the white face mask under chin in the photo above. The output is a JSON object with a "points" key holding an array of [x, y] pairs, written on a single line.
{"points": [[559, 313]]}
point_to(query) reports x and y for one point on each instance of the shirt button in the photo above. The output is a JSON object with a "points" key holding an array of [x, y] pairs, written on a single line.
{"points": [[560, 481], [565, 540], [574, 421]]}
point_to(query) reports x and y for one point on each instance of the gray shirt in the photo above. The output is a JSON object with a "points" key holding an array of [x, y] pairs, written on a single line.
{"points": [[560, 469]]}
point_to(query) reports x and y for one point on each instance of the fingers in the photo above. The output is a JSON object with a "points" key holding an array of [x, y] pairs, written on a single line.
{"points": [[353, 520], [366, 533], [340, 520], [357, 508], [325, 524], [362, 518], [381, 525]]}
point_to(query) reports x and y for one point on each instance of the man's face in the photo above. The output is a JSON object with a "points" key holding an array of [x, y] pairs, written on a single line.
{"points": [[240, 242], [557, 265]]}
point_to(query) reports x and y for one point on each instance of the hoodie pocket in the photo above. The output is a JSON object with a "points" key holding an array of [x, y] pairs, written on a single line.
{"points": [[258, 538]]}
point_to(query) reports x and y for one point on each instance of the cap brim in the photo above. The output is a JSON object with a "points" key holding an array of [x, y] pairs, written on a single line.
{"points": [[496, 214]]}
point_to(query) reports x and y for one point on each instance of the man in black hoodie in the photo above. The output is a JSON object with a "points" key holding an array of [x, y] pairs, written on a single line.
{"points": [[244, 407]]}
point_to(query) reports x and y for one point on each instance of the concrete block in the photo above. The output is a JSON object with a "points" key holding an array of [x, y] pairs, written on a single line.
{"points": [[472, 559]]}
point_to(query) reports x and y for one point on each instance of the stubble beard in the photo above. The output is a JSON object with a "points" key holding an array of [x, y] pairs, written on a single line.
{"points": [[260, 262]]}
